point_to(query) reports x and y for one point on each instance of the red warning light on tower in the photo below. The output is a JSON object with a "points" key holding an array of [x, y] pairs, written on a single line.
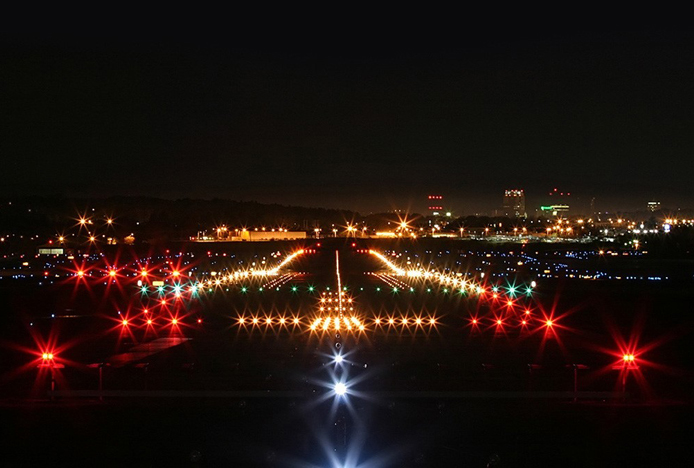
{"points": [[432, 206]]}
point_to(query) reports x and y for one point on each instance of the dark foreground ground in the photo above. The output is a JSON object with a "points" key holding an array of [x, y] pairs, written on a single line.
{"points": [[292, 432], [445, 395]]}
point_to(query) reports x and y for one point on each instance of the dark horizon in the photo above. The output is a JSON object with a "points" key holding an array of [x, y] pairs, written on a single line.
{"points": [[348, 123]]}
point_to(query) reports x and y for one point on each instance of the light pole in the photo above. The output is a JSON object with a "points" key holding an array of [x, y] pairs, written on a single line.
{"points": [[49, 362], [628, 365], [100, 366], [576, 368]]}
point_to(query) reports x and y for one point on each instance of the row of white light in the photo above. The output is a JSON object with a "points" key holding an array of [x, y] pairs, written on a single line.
{"points": [[444, 279], [242, 274], [397, 270], [337, 322]]}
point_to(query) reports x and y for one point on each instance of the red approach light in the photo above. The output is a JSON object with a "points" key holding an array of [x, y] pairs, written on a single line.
{"points": [[143, 273], [174, 321], [498, 321], [176, 273], [80, 273], [549, 323], [354, 244], [112, 273], [125, 322], [199, 320], [47, 356], [629, 358]]}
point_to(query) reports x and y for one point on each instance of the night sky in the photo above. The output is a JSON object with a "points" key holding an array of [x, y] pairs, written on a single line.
{"points": [[357, 122]]}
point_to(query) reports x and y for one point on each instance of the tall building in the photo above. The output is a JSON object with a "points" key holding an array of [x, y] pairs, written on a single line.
{"points": [[653, 206], [435, 204], [557, 203], [514, 203]]}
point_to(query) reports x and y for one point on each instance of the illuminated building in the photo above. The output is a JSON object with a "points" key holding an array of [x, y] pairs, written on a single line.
{"points": [[52, 250], [555, 210], [653, 206], [247, 235], [557, 205], [514, 203]]}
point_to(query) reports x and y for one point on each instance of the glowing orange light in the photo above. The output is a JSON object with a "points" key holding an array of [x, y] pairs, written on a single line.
{"points": [[242, 320], [268, 320], [418, 321], [282, 320], [296, 321], [92, 238], [432, 321], [255, 321], [391, 321]]}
